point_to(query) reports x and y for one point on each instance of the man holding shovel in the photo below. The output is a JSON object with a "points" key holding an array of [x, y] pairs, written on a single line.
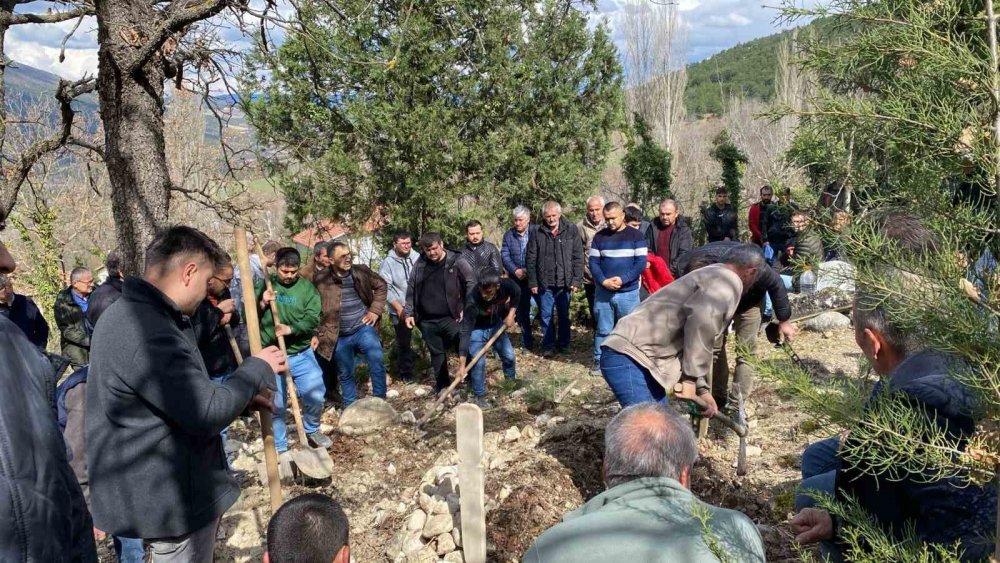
{"points": [[299, 310], [492, 304]]}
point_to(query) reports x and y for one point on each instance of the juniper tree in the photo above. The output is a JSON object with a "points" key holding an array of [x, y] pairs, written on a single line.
{"points": [[912, 88], [733, 163], [646, 167], [433, 110]]}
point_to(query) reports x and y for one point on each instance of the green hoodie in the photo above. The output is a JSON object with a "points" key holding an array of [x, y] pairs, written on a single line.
{"points": [[649, 520], [298, 307]]}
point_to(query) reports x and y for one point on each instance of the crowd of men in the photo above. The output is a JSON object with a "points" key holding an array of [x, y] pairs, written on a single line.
{"points": [[156, 381]]}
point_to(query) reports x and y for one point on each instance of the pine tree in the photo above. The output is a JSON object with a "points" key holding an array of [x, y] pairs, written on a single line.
{"points": [[434, 110], [646, 167], [911, 91]]}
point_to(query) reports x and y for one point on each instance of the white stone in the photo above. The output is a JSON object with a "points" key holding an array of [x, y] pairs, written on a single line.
{"points": [[401, 507], [519, 393], [504, 493], [413, 543], [754, 451], [367, 416], [408, 417], [416, 521], [555, 421], [455, 557], [457, 535], [421, 392], [439, 506], [391, 469], [445, 544], [392, 394], [575, 392], [512, 434], [425, 555], [542, 419], [326, 428], [530, 433], [440, 473], [835, 274], [438, 524], [827, 321]]}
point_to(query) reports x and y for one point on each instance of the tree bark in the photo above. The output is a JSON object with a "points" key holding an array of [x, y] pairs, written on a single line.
{"points": [[132, 112]]}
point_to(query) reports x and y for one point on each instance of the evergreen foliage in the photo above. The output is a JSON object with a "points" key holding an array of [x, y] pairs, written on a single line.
{"points": [[431, 110], [908, 117], [733, 163], [646, 167]]}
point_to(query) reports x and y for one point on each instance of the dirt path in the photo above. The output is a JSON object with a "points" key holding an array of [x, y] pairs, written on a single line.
{"points": [[532, 483]]}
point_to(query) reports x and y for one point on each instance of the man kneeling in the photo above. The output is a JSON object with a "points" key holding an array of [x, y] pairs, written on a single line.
{"points": [[648, 514], [310, 528]]}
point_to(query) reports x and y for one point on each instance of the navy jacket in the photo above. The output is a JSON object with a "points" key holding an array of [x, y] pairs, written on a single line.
{"points": [[942, 511], [510, 250], [43, 516], [25, 314]]}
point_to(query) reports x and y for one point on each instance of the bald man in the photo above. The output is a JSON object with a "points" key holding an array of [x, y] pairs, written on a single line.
{"points": [[648, 512]]}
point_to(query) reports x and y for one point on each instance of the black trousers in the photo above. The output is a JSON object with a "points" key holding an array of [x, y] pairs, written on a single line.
{"points": [[440, 336], [590, 291], [404, 350], [331, 379]]}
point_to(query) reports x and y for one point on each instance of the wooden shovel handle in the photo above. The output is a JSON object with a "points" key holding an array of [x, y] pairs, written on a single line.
{"points": [[253, 334]]}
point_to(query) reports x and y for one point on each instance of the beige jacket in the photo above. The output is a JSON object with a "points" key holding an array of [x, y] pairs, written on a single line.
{"points": [[587, 232], [673, 330]]}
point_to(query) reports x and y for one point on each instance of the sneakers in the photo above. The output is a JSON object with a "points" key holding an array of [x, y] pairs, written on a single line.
{"points": [[548, 353], [595, 369], [319, 440], [482, 403]]}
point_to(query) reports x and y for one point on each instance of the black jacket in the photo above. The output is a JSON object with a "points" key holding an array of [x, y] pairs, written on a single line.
{"points": [[721, 223], [43, 516], [768, 281], [681, 242], [545, 251], [941, 511], [776, 225], [479, 314], [102, 298], [154, 454], [460, 281], [213, 342], [25, 314]]}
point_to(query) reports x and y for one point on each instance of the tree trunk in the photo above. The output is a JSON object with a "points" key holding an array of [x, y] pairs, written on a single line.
{"points": [[132, 112]]}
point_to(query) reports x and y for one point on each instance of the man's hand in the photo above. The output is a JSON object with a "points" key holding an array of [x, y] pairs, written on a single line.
{"points": [[410, 322], [262, 402], [617, 281], [314, 342], [268, 296], [573, 289], [811, 525], [461, 364], [274, 358], [690, 392], [227, 306], [510, 320], [224, 320], [282, 330], [534, 291], [398, 307], [99, 535], [609, 283], [369, 319], [520, 273], [788, 330], [712, 408]]}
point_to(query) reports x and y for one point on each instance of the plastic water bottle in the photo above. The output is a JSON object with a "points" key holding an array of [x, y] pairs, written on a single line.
{"points": [[807, 283]]}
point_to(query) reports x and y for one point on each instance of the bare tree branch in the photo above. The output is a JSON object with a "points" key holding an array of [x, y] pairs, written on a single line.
{"points": [[83, 9], [179, 15]]}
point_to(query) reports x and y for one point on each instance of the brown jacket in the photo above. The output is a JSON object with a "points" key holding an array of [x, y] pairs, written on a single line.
{"points": [[309, 271], [371, 289], [673, 331]]}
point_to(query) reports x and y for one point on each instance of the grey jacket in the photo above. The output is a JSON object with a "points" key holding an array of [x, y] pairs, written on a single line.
{"points": [[154, 454], [43, 516], [648, 520], [395, 270]]}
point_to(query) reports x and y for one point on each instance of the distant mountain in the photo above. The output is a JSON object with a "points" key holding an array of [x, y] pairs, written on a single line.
{"points": [[27, 85], [746, 70]]}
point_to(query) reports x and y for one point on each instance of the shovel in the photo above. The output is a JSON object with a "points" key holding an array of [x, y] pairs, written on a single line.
{"points": [[461, 377], [313, 462], [271, 472], [736, 426]]}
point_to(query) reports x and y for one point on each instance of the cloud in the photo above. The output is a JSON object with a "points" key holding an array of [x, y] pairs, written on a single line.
{"points": [[729, 20], [78, 61]]}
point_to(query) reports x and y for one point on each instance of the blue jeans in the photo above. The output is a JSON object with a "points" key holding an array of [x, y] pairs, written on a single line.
{"points": [[630, 382], [523, 315], [554, 300], [502, 347], [364, 341], [768, 309], [819, 474], [129, 550], [308, 378], [609, 306]]}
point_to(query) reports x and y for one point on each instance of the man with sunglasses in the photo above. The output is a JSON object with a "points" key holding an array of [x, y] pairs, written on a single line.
{"points": [[70, 309]]}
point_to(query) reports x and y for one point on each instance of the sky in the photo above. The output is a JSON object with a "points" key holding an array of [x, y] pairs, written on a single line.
{"points": [[713, 25]]}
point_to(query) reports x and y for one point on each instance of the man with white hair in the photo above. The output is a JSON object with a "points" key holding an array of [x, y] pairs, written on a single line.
{"points": [[648, 512], [592, 222], [555, 270], [513, 252]]}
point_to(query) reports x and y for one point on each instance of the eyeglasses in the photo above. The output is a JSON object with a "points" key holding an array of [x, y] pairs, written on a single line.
{"points": [[225, 281], [86, 283]]}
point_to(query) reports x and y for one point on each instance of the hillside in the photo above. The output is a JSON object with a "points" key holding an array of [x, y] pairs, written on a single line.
{"points": [[747, 70]]}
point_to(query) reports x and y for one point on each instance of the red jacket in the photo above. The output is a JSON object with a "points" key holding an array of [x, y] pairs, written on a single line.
{"points": [[656, 274], [754, 223]]}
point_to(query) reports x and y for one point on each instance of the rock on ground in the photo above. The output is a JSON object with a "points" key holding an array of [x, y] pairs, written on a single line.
{"points": [[820, 300], [367, 416], [826, 322]]}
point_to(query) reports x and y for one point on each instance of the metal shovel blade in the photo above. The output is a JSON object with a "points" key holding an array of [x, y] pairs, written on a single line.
{"points": [[314, 463], [741, 457]]}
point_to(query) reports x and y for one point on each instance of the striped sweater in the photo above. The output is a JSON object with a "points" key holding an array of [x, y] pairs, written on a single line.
{"points": [[618, 253]]}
